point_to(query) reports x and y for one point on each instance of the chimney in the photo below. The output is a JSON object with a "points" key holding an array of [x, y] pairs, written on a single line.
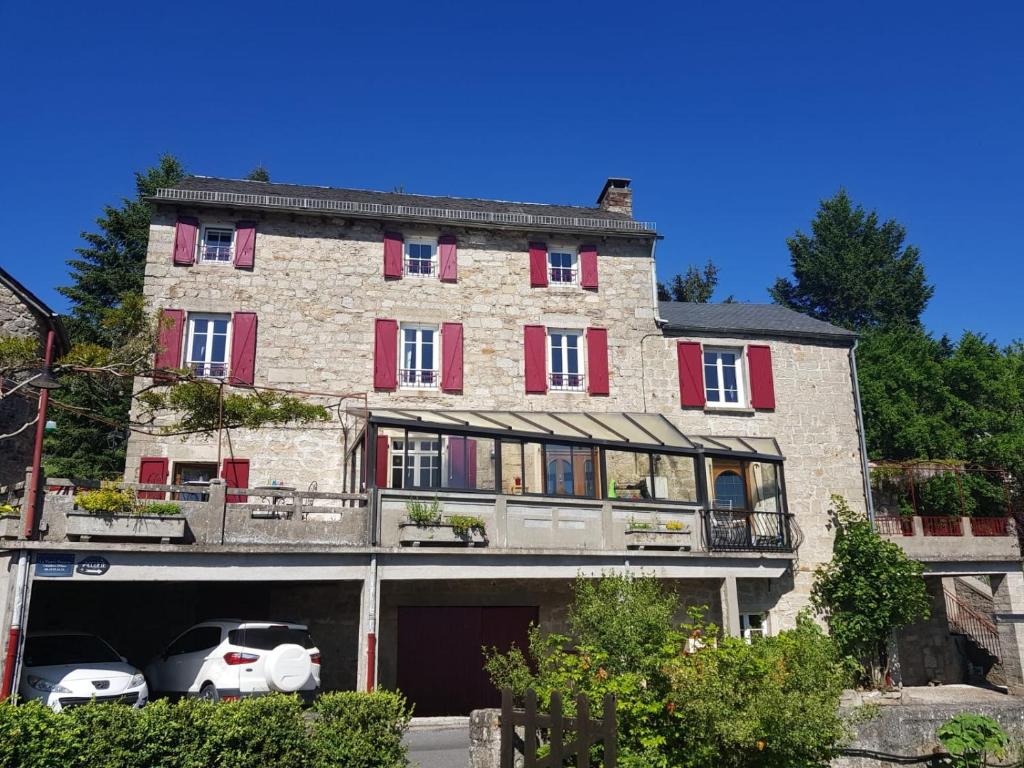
{"points": [[616, 197]]}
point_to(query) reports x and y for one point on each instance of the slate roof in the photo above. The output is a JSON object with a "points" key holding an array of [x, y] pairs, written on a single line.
{"points": [[270, 194], [770, 319]]}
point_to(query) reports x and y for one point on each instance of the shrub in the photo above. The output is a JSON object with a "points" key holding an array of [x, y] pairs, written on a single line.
{"points": [[160, 508], [360, 730], [30, 737], [261, 732], [463, 524], [108, 499], [945, 494], [420, 513], [972, 739]]}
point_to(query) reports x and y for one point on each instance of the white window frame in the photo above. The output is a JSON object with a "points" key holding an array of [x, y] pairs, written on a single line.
{"points": [[748, 632], [741, 377], [412, 378], [559, 385], [187, 363], [434, 267], [574, 266], [231, 248], [416, 460]]}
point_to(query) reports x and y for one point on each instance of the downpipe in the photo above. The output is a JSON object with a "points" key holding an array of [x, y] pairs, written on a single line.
{"points": [[865, 470], [14, 633]]}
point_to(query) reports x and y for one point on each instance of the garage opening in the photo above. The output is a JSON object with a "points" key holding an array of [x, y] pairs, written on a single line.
{"points": [[140, 619], [440, 661]]}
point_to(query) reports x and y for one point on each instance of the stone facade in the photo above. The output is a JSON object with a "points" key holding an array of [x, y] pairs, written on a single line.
{"points": [[318, 286]]}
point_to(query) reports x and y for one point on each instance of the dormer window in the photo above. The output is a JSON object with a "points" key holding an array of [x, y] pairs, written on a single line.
{"points": [[217, 245], [420, 258]]}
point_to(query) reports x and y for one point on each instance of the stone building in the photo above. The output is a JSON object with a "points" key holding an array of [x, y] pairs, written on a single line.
{"points": [[22, 315], [502, 362]]}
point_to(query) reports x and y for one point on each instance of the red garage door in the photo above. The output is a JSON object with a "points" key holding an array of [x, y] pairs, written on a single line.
{"points": [[440, 657]]}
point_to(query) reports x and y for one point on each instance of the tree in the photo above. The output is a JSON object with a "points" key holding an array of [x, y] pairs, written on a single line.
{"points": [[869, 589], [259, 173], [854, 271], [695, 285]]}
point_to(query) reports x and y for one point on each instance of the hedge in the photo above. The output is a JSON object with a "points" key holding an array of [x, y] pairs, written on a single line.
{"points": [[346, 730]]}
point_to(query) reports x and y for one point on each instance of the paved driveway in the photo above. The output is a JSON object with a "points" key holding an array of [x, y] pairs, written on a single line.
{"points": [[434, 746]]}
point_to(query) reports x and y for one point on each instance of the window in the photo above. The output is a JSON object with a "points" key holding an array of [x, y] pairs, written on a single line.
{"points": [[420, 258], [198, 475], [723, 379], [195, 640], [753, 626], [562, 267], [216, 246], [207, 351], [269, 638], [641, 475], [730, 490], [418, 364], [570, 470], [467, 463], [675, 477], [416, 461], [565, 366]]}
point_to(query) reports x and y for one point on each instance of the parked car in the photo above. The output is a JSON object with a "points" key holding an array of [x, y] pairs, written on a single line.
{"points": [[65, 669], [226, 659]]}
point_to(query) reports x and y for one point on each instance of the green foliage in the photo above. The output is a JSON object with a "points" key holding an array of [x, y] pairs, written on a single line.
{"points": [[7, 510], [773, 703], [463, 524], [259, 173], [970, 739], [160, 509], [108, 499], [197, 404], [355, 730], [853, 270], [421, 513], [17, 354], [360, 730], [869, 588], [696, 285]]}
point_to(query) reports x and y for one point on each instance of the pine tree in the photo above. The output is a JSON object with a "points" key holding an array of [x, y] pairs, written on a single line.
{"points": [[695, 286]]}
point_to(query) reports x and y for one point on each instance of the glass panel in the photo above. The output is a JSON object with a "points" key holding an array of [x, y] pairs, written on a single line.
{"points": [[767, 491], [711, 376], [572, 343], [729, 375], [468, 463], [396, 455], [628, 474], [512, 467], [557, 350], [533, 471], [675, 477]]}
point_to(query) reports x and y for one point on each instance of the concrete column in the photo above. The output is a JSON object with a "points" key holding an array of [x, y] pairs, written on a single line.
{"points": [[369, 610], [1008, 597], [730, 606], [501, 522]]}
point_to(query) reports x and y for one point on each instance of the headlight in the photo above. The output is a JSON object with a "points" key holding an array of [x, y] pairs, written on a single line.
{"points": [[137, 680], [46, 686]]}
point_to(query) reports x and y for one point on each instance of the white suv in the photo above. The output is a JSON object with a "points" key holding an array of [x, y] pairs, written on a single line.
{"points": [[230, 658]]}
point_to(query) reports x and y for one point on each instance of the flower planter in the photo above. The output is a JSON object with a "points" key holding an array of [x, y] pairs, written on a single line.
{"points": [[440, 535], [10, 526], [658, 538], [83, 526]]}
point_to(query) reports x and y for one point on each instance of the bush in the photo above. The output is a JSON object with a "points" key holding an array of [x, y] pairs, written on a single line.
{"points": [[360, 730], [160, 508], [107, 499], [421, 513], [462, 525], [972, 739], [262, 732]]}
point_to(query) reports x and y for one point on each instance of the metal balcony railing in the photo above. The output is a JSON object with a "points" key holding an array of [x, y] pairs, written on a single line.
{"points": [[418, 378], [990, 526], [942, 526], [209, 370], [966, 621], [566, 382], [419, 267], [562, 275], [738, 531], [216, 253], [894, 525]]}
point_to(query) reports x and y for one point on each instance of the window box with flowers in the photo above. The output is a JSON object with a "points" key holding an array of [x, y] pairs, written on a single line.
{"points": [[426, 526], [110, 512], [655, 534]]}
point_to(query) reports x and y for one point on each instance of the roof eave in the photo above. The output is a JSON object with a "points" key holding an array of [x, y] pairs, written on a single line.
{"points": [[843, 339]]}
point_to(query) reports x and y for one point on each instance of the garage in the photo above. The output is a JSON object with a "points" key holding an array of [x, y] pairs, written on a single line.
{"points": [[440, 653], [139, 619]]}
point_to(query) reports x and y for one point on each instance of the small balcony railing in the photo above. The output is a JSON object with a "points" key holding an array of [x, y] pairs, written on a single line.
{"points": [[419, 267], [737, 531], [942, 526], [893, 525], [216, 253], [418, 378], [562, 275], [990, 526], [209, 370], [566, 382]]}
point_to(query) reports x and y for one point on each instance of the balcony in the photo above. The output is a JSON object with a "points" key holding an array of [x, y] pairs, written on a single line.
{"points": [[952, 538]]}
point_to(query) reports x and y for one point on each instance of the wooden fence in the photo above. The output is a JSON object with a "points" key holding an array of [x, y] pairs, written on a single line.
{"points": [[582, 732]]}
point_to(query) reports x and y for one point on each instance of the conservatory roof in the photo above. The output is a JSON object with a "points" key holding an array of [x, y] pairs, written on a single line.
{"points": [[650, 431]]}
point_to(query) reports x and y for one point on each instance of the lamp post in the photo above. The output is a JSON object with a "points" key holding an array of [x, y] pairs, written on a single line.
{"points": [[44, 382]]}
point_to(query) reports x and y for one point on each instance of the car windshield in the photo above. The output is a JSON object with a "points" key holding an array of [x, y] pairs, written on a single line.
{"points": [[67, 649], [268, 638]]}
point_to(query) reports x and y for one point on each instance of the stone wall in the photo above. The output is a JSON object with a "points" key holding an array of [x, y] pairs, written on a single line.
{"points": [[928, 653], [19, 321], [318, 286]]}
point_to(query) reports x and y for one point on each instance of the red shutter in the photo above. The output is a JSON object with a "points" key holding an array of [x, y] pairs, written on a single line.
{"points": [[588, 266], [392, 254], [762, 384], [152, 470], [385, 354], [597, 361], [691, 374], [538, 265], [236, 475], [243, 348], [185, 232], [169, 338], [447, 259], [535, 355], [451, 357], [381, 470], [470, 463], [245, 244]]}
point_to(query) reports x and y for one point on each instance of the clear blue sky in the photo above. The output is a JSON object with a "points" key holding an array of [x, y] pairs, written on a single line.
{"points": [[732, 119]]}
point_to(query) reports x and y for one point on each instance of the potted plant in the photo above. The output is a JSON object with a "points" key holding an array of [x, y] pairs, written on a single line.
{"points": [[427, 525], [113, 512], [654, 534], [10, 522]]}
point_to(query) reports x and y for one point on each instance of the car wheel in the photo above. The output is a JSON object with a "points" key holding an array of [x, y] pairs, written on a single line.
{"points": [[209, 693]]}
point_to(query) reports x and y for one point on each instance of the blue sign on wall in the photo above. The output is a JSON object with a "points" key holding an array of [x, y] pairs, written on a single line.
{"points": [[55, 565]]}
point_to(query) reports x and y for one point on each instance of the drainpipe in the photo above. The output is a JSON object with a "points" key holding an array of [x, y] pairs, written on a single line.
{"points": [[860, 433], [14, 635], [654, 284], [371, 629]]}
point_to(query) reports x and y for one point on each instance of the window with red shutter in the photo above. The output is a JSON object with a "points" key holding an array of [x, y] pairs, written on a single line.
{"points": [[393, 255], [762, 382], [588, 266], [538, 265], [691, 376], [243, 348], [245, 244], [535, 359], [597, 361], [152, 471], [236, 475], [185, 233], [451, 357], [385, 354], [448, 269], [170, 336]]}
